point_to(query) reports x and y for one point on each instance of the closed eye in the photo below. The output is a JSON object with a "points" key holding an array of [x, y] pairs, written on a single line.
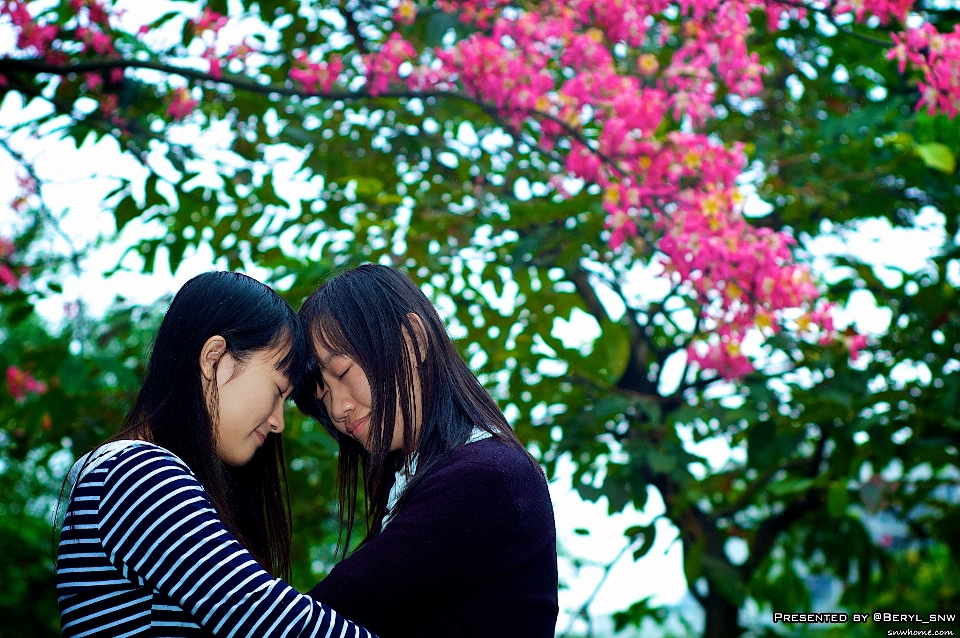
{"points": [[344, 373]]}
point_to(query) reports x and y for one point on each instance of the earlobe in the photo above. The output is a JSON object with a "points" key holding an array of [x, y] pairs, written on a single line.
{"points": [[210, 354]]}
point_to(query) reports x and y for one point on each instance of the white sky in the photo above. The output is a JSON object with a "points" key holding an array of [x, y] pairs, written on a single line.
{"points": [[76, 180]]}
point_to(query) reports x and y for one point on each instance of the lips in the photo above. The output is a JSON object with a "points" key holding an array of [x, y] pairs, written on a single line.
{"points": [[261, 436], [355, 426]]}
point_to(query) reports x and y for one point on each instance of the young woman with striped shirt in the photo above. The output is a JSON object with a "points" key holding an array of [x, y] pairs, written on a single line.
{"points": [[179, 525]]}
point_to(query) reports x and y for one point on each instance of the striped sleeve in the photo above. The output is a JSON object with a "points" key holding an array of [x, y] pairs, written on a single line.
{"points": [[160, 530]]}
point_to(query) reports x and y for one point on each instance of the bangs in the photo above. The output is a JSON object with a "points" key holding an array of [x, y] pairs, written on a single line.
{"points": [[327, 331], [294, 363]]}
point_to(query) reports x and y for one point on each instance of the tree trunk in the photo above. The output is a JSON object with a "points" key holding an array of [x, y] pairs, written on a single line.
{"points": [[721, 618]]}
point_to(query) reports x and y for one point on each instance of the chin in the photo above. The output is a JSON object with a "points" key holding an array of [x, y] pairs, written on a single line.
{"points": [[237, 462]]}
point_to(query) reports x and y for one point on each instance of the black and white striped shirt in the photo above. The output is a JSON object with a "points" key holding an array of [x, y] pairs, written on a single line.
{"points": [[143, 552]]}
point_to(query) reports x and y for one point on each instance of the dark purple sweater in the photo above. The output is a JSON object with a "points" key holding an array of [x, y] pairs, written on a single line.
{"points": [[471, 552]]}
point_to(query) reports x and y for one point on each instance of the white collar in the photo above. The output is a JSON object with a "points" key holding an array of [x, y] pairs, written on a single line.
{"points": [[405, 474]]}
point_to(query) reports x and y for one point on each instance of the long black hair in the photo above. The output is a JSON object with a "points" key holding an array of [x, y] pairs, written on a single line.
{"points": [[370, 314], [173, 409]]}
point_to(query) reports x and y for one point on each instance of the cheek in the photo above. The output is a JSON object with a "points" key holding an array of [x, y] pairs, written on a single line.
{"points": [[361, 393]]}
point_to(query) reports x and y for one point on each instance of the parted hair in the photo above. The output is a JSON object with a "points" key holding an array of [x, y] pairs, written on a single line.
{"points": [[370, 315], [174, 411]]}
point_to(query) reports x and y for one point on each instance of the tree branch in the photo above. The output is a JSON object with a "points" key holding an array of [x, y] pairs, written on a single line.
{"points": [[827, 12], [583, 611], [353, 28], [578, 276], [771, 528], [17, 65], [753, 488], [43, 210]]}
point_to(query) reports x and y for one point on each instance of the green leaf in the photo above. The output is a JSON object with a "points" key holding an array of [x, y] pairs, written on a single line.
{"points": [[837, 499], [73, 374], [790, 486], [725, 578], [649, 533], [937, 156], [693, 563], [19, 313], [125, 212], [637, 612], [611, 353], [900, 139]]}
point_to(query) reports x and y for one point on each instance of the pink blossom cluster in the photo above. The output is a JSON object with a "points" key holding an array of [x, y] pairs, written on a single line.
{"points": [[21, 383], [721, 352], [479, 12], [96, 40], [885, 10], [182, 104], [382, 67], [8, 277], [556, 67], [626, 22], [405, 13], [744, 277], [31, 36], [819, 321], [211, 22], [714, 38], [937, 56], [316, 77], [95, 10]]}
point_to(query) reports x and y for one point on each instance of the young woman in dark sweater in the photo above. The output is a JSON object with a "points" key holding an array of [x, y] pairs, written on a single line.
{"points": [[461, 538]]}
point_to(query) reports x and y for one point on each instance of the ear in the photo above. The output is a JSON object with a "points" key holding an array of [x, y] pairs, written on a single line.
{"points": [[210, 354], [419, 333]]}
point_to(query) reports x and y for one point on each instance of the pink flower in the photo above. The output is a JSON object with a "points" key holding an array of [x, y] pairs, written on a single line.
{"points": [[95, 10], [210, 20], [722, 355], [21, 383], [182, 104], [621, 226], [383, 65], [216, 67], [406, 12], [855, 343], [239, 51], [316, 77], [31, 35], [95, 39], [937, 57], [8, 277]]}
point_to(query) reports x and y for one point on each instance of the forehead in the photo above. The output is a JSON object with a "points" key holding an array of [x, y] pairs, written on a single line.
{"points": [[267, 360], [325, 356]]}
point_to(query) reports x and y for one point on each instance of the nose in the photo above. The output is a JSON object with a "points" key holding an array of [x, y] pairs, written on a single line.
{"points": [[276, 419], [340, 404]]}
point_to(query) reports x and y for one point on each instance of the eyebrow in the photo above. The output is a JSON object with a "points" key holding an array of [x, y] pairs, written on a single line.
{"points": [[329, 357]]}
